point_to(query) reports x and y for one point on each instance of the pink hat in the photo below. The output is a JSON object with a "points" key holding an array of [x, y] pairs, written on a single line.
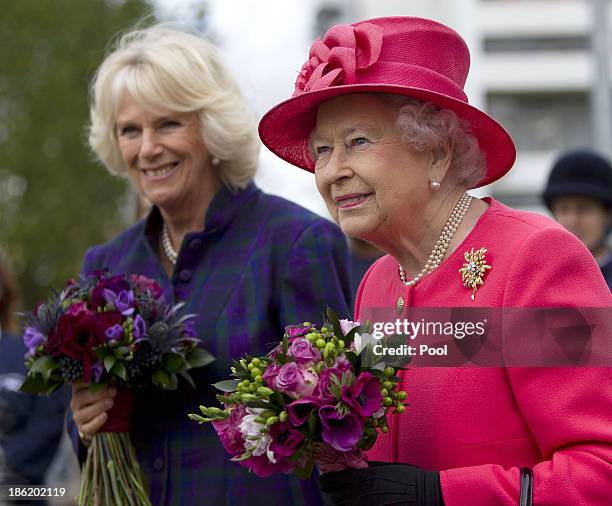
{"points": [[408, 56]]}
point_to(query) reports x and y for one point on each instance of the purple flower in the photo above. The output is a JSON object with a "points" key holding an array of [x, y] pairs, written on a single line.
{"points": [[289, 376], [142, 284], [364, 396], [97, 369], [296, 330], [285, 440], [114, 283], [114, 333], [294, 380], [269, 375], [300, 410], [303, 352], [123, 301], [263, 468], [341, 432], [32, 338], [77, 307], [326, 378], [140, 327], [228, 431], [347, 325], [343, 365], [189, 329]]}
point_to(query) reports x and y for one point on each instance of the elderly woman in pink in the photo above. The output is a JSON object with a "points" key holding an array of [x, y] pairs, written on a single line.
{"points": [[380, 116]]}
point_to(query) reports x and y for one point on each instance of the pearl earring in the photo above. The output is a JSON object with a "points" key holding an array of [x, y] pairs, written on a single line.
{"points": [[434, 184], [215, 161]]}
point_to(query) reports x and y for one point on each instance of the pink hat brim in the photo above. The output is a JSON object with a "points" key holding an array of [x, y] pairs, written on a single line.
{"points": [[285, 128]]}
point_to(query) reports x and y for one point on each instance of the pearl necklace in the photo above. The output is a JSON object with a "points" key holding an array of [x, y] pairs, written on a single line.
{"points": [[441, 247], [168, 249]]}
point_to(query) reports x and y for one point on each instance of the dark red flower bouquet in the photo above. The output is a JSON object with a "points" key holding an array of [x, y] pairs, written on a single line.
{"points": [[321, 396], [110, 330]]}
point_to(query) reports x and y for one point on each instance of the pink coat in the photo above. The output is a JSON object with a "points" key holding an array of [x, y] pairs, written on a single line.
{"points": [[478, 426]]}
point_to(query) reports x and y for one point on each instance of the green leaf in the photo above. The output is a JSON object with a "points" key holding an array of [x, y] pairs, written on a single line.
{"points": [[368, 440], [258, 403], [187, 377], [101, 352], [172, 362], [172, 383], [34, 384], [285, 347], [121, 352], [44, 366], [335, 321], [360, 329], [199, 357], [161, 378], [312, 421], [109, 362], [119, 370], [227, 385]]}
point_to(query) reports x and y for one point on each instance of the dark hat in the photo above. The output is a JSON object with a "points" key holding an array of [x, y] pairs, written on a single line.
{"points": [[580, 172]]}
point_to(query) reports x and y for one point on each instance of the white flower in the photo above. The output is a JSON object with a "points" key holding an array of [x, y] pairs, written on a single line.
{"points": [[254, 433], [270, 454], [347, 325], [362, 341]]}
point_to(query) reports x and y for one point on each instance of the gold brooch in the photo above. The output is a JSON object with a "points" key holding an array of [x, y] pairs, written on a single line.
{"points": [[399, 304], [474, 269]]}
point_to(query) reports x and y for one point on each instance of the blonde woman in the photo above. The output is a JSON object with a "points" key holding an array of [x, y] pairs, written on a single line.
{"points": [[166, 114]]}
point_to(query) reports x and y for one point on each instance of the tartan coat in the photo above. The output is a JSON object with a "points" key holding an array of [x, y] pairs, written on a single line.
{"points": [[259, 264]]}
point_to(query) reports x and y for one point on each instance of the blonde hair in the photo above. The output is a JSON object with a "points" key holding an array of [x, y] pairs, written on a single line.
{"points": [[161, 66]]}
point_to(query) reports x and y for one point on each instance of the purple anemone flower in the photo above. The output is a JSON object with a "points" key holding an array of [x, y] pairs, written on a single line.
{"points": [[341, 432], [364, 395]]}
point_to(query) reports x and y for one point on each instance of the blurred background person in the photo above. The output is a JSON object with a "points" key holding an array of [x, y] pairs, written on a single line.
{"points": [[30, 426], [579, 196]]}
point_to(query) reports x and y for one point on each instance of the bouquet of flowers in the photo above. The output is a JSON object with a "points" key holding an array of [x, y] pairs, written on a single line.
{"points": [[321, 396], [110, 330]]}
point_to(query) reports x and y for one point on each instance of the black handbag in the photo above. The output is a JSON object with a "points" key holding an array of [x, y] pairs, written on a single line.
{"points": [[526, 497]]}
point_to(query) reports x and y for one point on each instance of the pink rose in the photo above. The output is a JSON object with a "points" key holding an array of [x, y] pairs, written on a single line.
{"points": [[303, 352], [229, 433], [294, 380], [269, 375]]}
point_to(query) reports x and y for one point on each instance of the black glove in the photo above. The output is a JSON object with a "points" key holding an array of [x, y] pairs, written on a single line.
{"points": [[382, 484]]}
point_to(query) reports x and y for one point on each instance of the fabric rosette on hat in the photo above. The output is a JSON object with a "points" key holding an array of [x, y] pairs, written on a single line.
{"points": [[315, 398], [118, 331], [409, 56]]}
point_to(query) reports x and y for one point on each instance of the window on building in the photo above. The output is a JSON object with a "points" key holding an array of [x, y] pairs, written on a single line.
{"points": [[543, 121], [327, 16], [512, 44]]}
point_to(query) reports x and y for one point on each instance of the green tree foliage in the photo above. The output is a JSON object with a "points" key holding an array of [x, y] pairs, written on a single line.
{"points": [[55, 198]]}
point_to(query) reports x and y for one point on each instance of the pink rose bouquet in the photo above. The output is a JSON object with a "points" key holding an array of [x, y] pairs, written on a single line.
{"points": [[321, 396]]}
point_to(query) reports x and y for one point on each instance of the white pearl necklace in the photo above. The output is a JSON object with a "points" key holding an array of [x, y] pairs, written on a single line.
{"points": [[441, 247], [168, 249]]}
